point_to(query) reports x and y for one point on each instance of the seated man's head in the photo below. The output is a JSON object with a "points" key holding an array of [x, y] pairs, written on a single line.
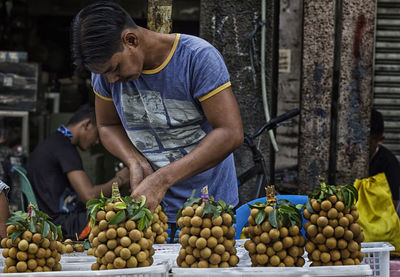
{"points": [[83, 127], [376, 135]]}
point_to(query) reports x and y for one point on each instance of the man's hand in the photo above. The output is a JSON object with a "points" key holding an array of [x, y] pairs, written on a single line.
{"points": [[152, 189], [138, 172]]}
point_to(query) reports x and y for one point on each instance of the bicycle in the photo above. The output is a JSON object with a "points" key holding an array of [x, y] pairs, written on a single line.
{"points": [[260, 169]]}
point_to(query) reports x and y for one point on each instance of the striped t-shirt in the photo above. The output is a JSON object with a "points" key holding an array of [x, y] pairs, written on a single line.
{"points": [[163, 118]]}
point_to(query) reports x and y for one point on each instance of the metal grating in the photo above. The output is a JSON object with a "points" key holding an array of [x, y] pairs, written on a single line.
{"points": [[387, 70]]}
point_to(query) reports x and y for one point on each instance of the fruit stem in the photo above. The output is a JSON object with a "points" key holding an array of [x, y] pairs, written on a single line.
{"points": [[270, 193], [115, 191], [204, 194]]}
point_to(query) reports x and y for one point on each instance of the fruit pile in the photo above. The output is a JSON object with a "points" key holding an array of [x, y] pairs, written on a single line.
{"points": [[121, 235], [70, 246], [33, 243], [206, 236], [159, 226], [274, 231], [333, 236]]}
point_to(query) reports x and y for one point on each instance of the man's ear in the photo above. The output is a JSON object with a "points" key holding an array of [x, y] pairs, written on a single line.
{"points": [[129, 38], [85, 123]]}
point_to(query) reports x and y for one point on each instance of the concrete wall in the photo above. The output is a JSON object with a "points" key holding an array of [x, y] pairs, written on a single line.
{"points": [[226, 25]]}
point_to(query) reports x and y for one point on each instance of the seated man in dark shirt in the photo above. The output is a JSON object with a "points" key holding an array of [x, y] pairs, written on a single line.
{"points": [[57, 176], [381, 159]]}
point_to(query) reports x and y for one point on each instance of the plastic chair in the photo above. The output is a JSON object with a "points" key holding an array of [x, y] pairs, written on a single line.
{"points": [[243, 212], [26, 188]]}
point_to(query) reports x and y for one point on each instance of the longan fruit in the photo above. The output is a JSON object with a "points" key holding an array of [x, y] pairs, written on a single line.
{"points": [[103, 225], [277, 246], [288, 261], [322, 221], [205, 233], [353, 246], [339, 206], [22, 256], [344, 221], [225, 256], [125, 253], [314, 218], [134, 248], [227, 219], [131, 262], [326, 205], [217, 221], [125, 241], [282, 254], [274, 260], [27, 235], [315, 205], [110, 234], [216, 231], [342, 244], [294, 251], [332, 213], [141, 256], [188, 211], [328, 231], [205, 253], [200, 243], [206, 223], [312, 230], [196, 221], [212, 242], [306, 214], [274, 234], [119, 263], [333, 222], [331, 243], [23, 245], [214, 259], [348, 235], [21, 266], [315, 255], [355, 228]]}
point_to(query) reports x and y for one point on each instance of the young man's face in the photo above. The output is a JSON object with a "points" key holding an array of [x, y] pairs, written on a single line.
{"points": [[123, 66]]}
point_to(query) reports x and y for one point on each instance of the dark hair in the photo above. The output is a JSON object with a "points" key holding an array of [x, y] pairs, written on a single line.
{"points": [[377, 125], [83, 112], [96, 33]]}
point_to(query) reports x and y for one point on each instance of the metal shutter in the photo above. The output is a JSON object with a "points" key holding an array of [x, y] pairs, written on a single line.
{"points": [[387, 70]]}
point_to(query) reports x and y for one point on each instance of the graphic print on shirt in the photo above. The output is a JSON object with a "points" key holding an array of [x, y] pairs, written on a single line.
{"points": [[160, 128]]}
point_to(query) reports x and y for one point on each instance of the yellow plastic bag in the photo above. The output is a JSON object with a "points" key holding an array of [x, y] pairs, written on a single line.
{"points": [[378, 217]]}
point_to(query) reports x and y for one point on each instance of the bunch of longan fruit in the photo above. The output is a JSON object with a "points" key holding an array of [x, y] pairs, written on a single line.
{"points": [[159, 226], [274, 246], [333, 235], [120, 245], [207, 240], [30, 252]]}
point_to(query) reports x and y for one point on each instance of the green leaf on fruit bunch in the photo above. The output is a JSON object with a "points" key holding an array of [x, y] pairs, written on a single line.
{"points": [[92, 222], [117, 218], [257, 205], [309, 207], [142, 223], [92, 212], [142, 201], [260, 217], [222, 204], [300, 206], [53, 229], [120, 205], [127, 199], [41, 215], [59, 232], [149, 215], [210, 208], [32, 225], [15, 234], [274, 218], [92, 202], [138, 214], [46, 228]]}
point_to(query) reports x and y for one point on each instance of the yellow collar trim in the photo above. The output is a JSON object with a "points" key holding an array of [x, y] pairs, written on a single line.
{"points": [[164, 64]]}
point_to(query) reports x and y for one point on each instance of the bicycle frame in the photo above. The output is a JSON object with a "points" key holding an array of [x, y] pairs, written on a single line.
{"points": [[260, 168]]}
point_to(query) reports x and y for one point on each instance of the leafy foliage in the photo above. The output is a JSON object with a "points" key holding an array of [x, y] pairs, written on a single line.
{"points": [[284, 211], [34, 221], [128, 209], [211, 207], [347, 193]]}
